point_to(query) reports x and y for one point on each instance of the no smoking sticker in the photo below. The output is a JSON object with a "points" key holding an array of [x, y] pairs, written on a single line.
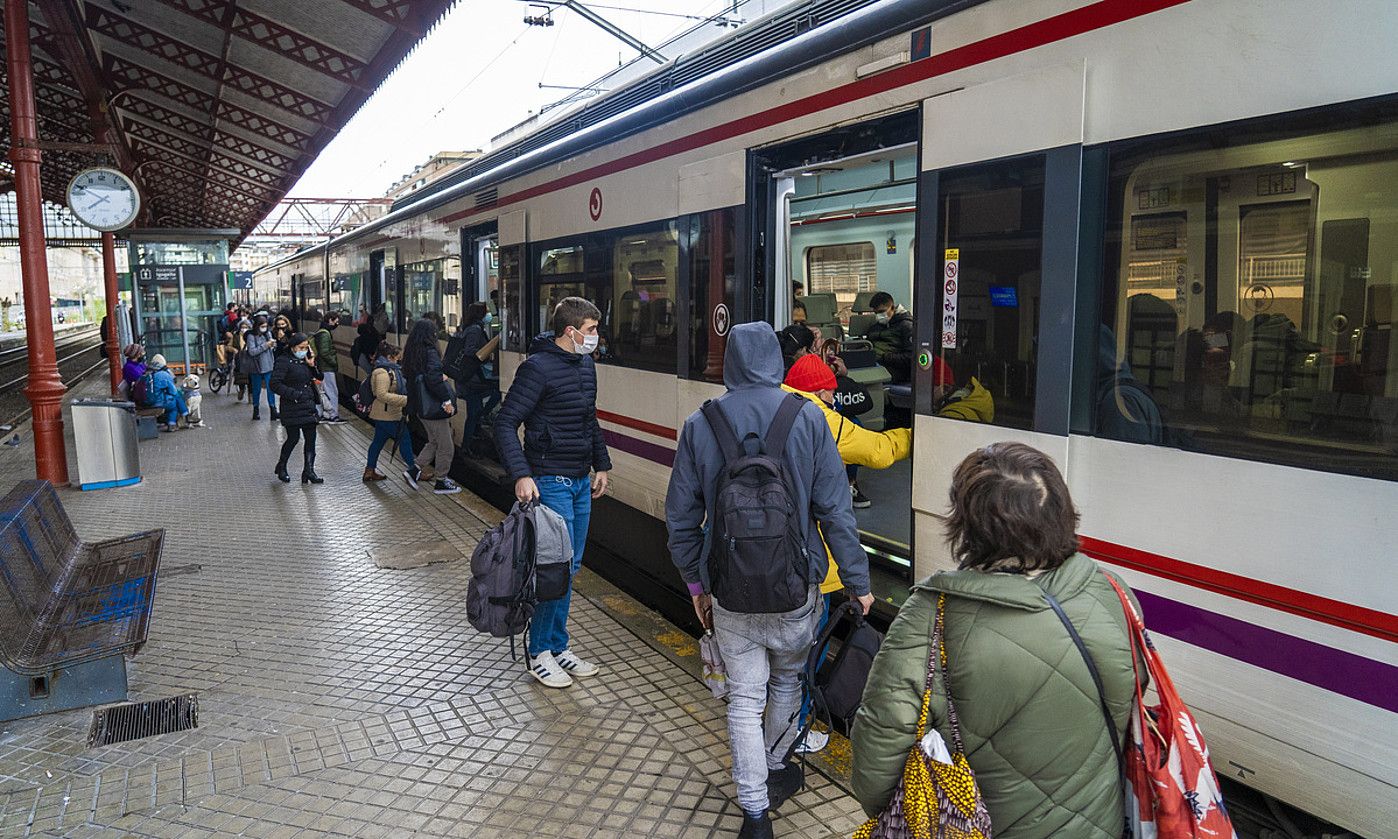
{"points": [[951, 269]]}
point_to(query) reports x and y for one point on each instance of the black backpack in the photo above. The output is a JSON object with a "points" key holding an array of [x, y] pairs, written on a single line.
{"points": [[838, 688], [758, 561]]}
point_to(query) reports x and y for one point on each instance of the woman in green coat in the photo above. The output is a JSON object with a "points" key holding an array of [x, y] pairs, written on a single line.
{"points": [[1031, 719]]}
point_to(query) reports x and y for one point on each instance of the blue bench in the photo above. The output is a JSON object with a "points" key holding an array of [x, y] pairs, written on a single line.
{"points": [[70, 612]]}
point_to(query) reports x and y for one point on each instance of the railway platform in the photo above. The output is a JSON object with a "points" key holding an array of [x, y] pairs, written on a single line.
{"points": [[338, 698]]}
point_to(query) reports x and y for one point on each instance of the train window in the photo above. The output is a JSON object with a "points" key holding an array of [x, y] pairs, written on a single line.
{"points": [[992, 226], [344, 295], [422, 283], [632, 277], [1248, 299], [510, 307], [713, 267], [845, 270], [645, 282]]}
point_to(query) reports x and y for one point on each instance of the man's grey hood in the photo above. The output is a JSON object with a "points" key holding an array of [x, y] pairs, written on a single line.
{"points": [[753, 357]]}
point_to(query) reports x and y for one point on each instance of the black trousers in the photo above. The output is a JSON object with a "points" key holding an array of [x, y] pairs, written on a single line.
{"points": [[294, 433]]}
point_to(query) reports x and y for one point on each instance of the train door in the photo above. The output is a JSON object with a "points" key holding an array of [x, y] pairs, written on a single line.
{"points": [[833, 222], [384, 294], [480, 258], [298, 304], [999, 275]]}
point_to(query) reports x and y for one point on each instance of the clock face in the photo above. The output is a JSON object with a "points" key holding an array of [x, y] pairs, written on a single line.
{"points": [[103, 199]]}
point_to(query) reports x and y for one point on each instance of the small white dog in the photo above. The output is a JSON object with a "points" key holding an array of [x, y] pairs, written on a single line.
{"points": [[192, 398]]}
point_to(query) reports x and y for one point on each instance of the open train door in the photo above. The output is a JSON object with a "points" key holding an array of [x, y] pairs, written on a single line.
{"points": [[384, 294], [834, 224]]}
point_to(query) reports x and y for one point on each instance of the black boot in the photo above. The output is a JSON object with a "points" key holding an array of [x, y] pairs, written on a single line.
{"points": [[275, 416], [783, 783], [756, 827], [281, 472], [308, 473], [256, 412]]}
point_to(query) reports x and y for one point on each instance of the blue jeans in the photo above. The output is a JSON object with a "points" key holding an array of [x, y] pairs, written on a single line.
{"points": [[764, 654], [175, 407], [385, 430], [259, 382], [571, 498], [478, 404]]}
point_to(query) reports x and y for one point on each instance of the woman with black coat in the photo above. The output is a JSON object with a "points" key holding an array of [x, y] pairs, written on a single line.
{"points": [[294, 380], [431, 400], [478, 383]]}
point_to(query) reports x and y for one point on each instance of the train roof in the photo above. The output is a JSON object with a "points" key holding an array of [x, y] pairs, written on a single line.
{"points": [[787, 42]]}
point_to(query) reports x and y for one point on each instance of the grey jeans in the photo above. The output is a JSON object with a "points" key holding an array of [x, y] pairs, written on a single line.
{"points": [[439, 449], [764, 655]]}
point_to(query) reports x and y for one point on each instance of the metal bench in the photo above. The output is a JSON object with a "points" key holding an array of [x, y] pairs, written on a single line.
{"points": [[70, 612]]}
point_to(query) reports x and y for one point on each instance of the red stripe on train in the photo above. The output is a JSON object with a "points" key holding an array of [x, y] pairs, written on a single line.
{"points": [[639, 425], [1057, 28], [1334, 612]]}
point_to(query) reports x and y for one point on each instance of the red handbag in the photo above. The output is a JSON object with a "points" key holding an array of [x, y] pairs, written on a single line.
{"points": [[1171, 789]]}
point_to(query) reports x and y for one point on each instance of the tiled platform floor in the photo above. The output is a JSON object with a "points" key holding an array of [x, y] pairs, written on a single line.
{"points": [[338, 699]]}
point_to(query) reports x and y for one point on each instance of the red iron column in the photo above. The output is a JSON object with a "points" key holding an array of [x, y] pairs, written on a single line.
{"points": [[109, 275], [45, 390]]}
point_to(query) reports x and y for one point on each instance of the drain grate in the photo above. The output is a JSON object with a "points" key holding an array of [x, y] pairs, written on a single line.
{"points": [[135, 720]]}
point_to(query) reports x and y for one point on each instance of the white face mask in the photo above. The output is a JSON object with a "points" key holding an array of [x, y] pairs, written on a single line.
{"points": [[881, 317], [588, 345]]}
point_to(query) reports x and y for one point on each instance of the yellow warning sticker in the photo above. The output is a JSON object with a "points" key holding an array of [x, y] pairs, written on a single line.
{"points": [[953, 253]]}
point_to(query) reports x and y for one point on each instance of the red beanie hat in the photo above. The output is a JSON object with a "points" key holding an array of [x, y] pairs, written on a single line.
{"points": [[810, 374]]}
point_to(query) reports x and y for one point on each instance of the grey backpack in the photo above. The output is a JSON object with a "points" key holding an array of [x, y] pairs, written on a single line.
{"points": [[526, 558], [758, 561]]}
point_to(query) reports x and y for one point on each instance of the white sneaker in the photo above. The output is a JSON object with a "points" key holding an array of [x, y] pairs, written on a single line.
{"points": [[545, 668], [576, 666], [814, 742]]}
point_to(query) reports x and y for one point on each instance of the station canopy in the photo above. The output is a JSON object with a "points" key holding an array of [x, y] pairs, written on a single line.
{"points": [[215, 107]]}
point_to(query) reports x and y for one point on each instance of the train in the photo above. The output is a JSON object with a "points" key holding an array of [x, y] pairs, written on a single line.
{"points": [[1161, 236]]}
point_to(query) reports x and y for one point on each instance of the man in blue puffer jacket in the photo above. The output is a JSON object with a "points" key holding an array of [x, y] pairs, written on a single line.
{"points": [[554, 395]]}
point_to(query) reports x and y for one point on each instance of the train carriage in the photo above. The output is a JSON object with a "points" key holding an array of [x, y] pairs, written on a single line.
{"points": [[1161, 235]]}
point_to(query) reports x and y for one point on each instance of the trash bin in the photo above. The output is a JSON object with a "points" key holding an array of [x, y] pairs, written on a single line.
{"points": [[105, 432]]}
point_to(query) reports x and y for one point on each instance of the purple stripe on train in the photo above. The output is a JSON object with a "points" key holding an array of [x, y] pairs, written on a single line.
{"points": [[640, 448], [1369, 681]]}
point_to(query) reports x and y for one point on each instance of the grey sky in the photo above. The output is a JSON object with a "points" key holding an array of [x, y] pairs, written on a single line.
{"points": [[474, 76]]}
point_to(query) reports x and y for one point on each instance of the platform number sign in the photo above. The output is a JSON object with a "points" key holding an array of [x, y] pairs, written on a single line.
{"points": [[951, 279]]}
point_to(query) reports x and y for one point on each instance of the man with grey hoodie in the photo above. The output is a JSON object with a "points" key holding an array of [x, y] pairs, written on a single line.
{"points": [[763, 653]]}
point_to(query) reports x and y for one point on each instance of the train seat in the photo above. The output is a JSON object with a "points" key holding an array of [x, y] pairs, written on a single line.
{"points": [[822, 311], [860, 324], [862, 304]]}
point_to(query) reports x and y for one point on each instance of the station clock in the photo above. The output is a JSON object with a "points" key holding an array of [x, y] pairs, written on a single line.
{"points": [[104, 199]]}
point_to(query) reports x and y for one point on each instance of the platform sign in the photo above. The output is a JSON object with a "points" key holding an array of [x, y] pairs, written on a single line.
{"points": [[951, 280], [240, 280]]}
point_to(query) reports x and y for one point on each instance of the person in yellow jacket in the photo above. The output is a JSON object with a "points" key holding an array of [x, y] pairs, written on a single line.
{"points": [[858, 446], [972, 403], [812, 378]]}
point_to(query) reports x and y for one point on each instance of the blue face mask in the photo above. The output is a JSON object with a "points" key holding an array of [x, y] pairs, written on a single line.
{"points": [[488, 319], [299, 353]]}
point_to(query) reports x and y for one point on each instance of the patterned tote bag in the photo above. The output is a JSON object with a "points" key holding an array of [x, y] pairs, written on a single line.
{"points": [[937, 797]]}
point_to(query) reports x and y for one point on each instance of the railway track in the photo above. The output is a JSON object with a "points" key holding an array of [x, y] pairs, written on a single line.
{"points": [[77, 357]]}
